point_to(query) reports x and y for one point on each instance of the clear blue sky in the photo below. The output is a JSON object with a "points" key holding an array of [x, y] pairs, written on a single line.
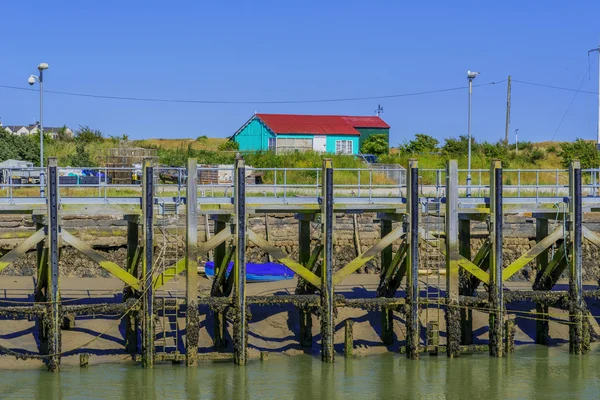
{"points": [[301, 50]]}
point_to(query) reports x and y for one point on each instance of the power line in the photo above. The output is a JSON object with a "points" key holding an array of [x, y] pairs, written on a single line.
{"points": [[555, 87], [570, 104], [159, 100]]}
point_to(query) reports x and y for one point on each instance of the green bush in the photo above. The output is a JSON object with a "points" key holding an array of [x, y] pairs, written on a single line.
{"points": [[583, 150], [87, 135], [26, 148], [202, 138], [422, 143], [457, 147], [376, 144], [229, 145]]}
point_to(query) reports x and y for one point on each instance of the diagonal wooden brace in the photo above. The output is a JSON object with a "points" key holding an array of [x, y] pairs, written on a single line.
{"points": [[473, 269], [284, 258], [214, 241], [591, 236], [535, 251], [365, 257], [110, 266], [21, 249]]}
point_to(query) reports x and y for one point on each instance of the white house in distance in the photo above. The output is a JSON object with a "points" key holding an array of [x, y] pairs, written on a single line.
{"points": [[23, 130]]}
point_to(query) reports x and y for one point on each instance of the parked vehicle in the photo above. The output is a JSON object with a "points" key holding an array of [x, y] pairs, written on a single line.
{"points": [[18, 172], [368, 158]]}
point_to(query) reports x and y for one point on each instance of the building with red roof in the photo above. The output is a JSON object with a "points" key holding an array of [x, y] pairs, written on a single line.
{"points": [[337, 134]]}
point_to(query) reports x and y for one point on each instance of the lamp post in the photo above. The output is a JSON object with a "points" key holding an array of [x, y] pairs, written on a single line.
{"points": [[470, 76], [40, 79]]}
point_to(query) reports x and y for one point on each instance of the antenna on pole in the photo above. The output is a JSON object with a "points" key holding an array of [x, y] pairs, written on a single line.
{"points": [[597, 50], [379, 110]]}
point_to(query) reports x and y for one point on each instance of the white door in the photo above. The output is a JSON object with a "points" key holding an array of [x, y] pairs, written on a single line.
{"points": [[320, 144]]}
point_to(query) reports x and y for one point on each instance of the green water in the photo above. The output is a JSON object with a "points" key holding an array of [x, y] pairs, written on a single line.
{"points": [[533, 372]]}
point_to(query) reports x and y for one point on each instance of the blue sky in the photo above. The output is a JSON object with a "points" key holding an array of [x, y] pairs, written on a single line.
{"points": [[302, 50]]}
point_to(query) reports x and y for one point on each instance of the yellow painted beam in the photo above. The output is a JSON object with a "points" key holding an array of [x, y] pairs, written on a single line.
{"points": [[535, 251], [591, 236], [169, 273], [110, 266], [473, 270], [284, 259], [365, 257], [21, 249]]}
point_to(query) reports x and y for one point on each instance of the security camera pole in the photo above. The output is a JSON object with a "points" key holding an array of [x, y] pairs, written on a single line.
{"points": [[31, 81], [470, 76]]}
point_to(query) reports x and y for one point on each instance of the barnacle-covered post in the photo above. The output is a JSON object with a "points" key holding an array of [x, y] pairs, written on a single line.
{"points": [[453, 314], [53, 317], [495, 288], [147, 260], [327, 322], [240, 328], [191, 264], [575, 278], [412, 281]]}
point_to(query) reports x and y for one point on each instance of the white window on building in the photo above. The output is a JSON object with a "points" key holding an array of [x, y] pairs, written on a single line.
{"points": [[288, 145], [343, 147], [272, 144]]}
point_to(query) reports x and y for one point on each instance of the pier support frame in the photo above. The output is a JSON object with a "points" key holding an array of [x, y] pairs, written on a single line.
{"points": [[327, 317], [240, 323], [453, 312], [304, 258], [133, 257], [576, 306], [192, 320], [387, 315], [147, 261], [412, 276], [495, 287]]}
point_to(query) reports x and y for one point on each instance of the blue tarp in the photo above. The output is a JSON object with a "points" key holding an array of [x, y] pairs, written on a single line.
{"points": [[264, 272]]}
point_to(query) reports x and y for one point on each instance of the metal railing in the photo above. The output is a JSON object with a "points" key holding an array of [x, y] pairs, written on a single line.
{"points": [[352, 184]]}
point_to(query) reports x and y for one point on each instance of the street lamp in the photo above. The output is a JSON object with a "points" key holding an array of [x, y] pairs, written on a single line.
{"points": [[470, 76], [31, 81]]}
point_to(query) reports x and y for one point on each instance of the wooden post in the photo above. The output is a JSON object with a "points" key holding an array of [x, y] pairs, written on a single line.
{"points": [[327, 322], [348, 338], [133, 249], [304, 258], [192, 321], [541, 323], [412, 255], [41, 290], [240, 328], [509, 336], [53, 298], [147, 261], [387, 315], [219, 323], [495, 288], [453, 311], [466, 314], [575, 278]]}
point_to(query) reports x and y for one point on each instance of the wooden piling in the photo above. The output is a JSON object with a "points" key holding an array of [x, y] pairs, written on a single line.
{"points": [[433, 338], [53, 315], [509, 336], [133, 256], [192, 321], [147, 261], [220, 252], [496, 314], [348, 338], [240, 328], [412, 255], [327, 321], [304, 253], [464, 248], [453, 311], [541, 324], [387, 315], [576, 305]]}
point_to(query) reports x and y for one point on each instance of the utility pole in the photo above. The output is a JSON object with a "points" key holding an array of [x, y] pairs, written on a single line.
{"points": [[597, 50], [507, 113], [470, 76]]}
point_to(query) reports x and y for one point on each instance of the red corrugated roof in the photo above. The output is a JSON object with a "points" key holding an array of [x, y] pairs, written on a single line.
{"points": [[319, 124]]}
